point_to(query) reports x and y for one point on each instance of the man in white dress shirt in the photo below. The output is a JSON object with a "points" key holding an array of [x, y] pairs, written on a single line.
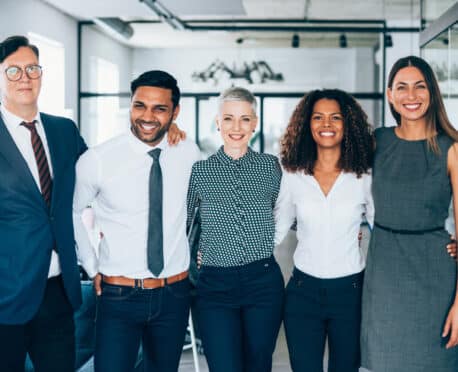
{"points": [[137, 186]]}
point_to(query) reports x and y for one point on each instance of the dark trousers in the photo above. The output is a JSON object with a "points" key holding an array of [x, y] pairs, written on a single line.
{"points": [[127, 316], [319, 308], [239, 315], [48, 337]]}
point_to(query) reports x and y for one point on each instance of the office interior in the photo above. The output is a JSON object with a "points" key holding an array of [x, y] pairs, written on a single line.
{"points": [[90, 50]]}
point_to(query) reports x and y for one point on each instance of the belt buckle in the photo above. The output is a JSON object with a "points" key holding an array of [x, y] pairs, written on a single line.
{"points": [[139, 283]]}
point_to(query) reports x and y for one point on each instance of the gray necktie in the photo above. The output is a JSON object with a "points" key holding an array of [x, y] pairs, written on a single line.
{"points": [[155, 240]]}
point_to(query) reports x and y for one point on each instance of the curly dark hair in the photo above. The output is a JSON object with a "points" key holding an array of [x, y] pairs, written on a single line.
{"points": [[298, 148]]}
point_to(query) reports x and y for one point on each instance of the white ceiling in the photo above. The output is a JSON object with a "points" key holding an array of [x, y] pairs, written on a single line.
{"points": [[87, 9], [312, 9], [162, 35]]}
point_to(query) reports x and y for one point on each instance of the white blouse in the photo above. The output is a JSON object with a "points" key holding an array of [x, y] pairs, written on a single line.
{"points": [[327, 226]]}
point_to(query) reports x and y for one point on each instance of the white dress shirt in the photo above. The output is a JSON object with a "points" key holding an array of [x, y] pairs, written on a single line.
{"points": [[21, 136], [114, 178], [327, 226]]}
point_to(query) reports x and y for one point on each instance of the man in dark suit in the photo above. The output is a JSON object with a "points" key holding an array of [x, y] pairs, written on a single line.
{"points": [[39, 278]]}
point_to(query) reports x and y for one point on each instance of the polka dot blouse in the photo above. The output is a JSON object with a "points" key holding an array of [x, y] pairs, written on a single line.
{"points": [[236, 199]]}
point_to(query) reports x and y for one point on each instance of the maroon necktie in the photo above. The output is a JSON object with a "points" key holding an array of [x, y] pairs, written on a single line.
{"points": [[42, 162]]}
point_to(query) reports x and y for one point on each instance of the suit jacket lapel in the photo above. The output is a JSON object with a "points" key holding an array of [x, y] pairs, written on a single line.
{"points": [[11, 153]]}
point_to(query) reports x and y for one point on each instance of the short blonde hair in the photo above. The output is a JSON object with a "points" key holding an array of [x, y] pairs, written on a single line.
{"points": [[237, 94]]}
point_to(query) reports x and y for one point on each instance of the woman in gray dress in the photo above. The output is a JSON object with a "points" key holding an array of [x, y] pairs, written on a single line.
{"points": [[410, 306]]}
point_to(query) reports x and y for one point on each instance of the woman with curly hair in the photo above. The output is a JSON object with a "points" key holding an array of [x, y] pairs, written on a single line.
{"points": [[327, 154]]}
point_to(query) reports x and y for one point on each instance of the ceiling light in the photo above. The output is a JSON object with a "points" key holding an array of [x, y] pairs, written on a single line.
{"points": [[165, 15], [255, 72], [343, 41], [115, 26], [295, 41], [388, 41]]}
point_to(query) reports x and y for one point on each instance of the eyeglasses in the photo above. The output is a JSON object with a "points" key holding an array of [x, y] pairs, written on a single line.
{"points": [[14, 73]]}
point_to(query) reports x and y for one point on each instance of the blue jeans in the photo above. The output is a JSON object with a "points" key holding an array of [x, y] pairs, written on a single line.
{"points": [[127, 316], [85, 325], [319, 308], [239, 315]]}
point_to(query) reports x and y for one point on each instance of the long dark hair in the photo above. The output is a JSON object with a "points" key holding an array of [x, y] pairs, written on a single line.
{"points": [[299, 150], [436, 117]]}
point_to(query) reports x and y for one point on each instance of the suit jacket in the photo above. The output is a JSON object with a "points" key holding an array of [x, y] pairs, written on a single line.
{"points": [[28, 230]]}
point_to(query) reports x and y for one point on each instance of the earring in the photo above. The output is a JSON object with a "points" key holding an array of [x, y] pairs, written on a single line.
{"points": [[217, 129], [253, 130]]}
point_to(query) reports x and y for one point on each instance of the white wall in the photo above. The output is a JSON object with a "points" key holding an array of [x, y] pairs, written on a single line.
{"points": [[18, 17], [350, 69], [97, 44], [303, 69]]}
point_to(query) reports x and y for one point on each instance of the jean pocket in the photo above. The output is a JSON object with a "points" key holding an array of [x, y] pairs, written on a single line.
{"points": [[116, 292], [275, 268], [215, 287], [181, 289]]}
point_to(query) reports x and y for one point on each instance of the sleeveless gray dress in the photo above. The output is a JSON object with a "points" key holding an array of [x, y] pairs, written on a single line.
{"points": [[410, 279]]}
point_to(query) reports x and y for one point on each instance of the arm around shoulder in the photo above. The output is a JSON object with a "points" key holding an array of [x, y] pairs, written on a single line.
{"points": [[80, 145]]}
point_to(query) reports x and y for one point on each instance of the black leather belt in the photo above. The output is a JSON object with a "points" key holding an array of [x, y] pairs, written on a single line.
{"points": [[408, 232]]}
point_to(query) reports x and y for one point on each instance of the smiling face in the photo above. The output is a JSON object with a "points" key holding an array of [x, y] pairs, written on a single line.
{"points": [[236, 121], [151, 113], [327, 124], [23, 93], [409, 94]]}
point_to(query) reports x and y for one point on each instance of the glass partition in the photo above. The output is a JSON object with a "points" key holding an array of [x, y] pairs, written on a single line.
{"points": [[103, 118], [187, 117], [433, 9], [442, 55], [277, 112], [351, 61]]}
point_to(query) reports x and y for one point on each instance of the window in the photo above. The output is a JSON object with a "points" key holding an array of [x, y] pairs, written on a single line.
{"points": [[52, 59], [104, 116]]}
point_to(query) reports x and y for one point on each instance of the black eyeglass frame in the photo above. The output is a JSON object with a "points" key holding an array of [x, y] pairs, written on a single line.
{"points": [[22, 70]]}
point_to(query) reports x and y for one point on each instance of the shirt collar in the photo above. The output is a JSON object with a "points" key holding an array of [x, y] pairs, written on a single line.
{"points": [[141, 147], [13, 121], [246, 159]]}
